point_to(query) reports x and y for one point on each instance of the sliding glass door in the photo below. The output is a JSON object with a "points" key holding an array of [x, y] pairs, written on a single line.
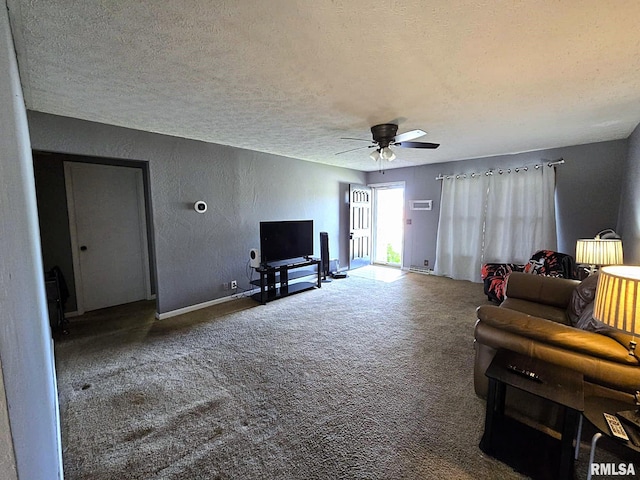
{"points": [[388, 223]]}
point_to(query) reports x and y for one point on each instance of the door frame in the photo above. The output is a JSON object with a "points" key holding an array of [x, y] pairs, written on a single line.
{"points": [[75, 256], [374, 218], [362, 260]]}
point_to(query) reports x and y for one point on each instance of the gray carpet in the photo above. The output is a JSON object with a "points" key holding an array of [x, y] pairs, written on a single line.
{"points": [[361, 379]]}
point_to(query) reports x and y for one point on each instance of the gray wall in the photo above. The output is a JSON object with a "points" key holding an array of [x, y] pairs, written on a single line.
{"points": [[195, 254], [587, 193], [629, 223], [29, 435], [420, 235]]}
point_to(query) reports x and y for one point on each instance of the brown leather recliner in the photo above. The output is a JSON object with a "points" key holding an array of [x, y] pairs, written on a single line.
{"points": [[536, 319]]}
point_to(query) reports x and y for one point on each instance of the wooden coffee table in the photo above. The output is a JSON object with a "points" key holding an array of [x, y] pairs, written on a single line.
{"points": [[556, 384]]}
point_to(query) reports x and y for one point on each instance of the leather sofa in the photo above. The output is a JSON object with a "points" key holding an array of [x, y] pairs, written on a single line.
{"points": [[551, 319]]}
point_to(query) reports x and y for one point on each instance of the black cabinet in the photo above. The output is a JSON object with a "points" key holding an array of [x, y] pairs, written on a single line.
{"points": [[277, 280]]}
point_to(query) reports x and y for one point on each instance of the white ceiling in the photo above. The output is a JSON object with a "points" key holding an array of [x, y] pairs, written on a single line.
{"points": [[291, 77]]}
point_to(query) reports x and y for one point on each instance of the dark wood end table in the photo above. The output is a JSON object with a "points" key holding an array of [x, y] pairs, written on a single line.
{"points": [[556, 384], [594, 409]]}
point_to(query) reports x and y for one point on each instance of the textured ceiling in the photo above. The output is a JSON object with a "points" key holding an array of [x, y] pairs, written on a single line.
{"points": [[292, 77]]}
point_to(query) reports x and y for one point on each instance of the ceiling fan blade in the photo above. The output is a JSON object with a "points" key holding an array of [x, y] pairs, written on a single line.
{"points": [[417, 145], [413, 134], [353, 149], [351, 138]]}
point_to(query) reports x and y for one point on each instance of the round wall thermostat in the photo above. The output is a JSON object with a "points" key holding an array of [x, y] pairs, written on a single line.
{"points": [[200, 206]]}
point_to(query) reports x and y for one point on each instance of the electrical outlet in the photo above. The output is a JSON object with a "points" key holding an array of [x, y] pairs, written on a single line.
{"points": [[234, 284], [426, 263]]}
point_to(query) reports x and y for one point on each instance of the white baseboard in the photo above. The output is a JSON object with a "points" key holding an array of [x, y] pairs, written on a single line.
{"points": [[199, 306], [422, 270]]}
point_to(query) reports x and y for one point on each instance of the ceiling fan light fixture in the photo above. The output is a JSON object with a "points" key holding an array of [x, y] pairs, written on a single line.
{"points": [[387, 154], [385, 135]]}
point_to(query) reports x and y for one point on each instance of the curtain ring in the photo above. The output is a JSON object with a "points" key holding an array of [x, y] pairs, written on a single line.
{"points": [[526, 169]]}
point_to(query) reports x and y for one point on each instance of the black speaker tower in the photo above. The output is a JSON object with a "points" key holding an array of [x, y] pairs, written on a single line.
{"points": [[324, 255]]}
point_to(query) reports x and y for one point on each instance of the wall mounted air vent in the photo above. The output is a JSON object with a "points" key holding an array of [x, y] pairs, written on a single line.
{"points": [[421, 204]]}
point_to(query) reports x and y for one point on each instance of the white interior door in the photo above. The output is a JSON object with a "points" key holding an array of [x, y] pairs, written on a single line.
{"points": [[108, 234]]}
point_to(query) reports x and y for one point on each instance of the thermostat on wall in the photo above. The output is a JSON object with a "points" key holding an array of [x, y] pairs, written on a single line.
{"points": [[200, 206]]}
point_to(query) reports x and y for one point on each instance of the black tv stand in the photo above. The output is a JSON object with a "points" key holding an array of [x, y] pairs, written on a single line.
{"points": [[275, 278]]}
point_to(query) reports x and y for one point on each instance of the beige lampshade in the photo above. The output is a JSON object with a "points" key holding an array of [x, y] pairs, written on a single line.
{"points": [[617, 300], [596, 251]]}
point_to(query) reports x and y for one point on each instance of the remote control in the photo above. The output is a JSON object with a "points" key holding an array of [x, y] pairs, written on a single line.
{"points": [[525, 373], [615, 426]]}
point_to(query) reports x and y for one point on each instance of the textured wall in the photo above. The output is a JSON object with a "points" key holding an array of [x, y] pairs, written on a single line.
{"points": [[420, 235], [588, 190], [31, 448], [630, 204], [587, 193], [196, 254]]}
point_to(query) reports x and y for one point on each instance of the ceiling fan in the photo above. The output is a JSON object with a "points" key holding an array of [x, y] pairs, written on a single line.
{"points": [[384, 136]]}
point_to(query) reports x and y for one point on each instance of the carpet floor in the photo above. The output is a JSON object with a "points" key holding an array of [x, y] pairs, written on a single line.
{"points": [[361, 379]]}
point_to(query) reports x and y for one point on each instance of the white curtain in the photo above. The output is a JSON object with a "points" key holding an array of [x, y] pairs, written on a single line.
{"points": [[521, 215], [494, 218], [459, 244]]}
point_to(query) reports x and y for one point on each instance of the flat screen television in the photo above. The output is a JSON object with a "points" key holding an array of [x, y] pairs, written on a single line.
{"points": [[285, 240]]}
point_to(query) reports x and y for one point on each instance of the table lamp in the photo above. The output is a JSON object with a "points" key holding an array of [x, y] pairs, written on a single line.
{"points": [[617, 304], [597, 252]]}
